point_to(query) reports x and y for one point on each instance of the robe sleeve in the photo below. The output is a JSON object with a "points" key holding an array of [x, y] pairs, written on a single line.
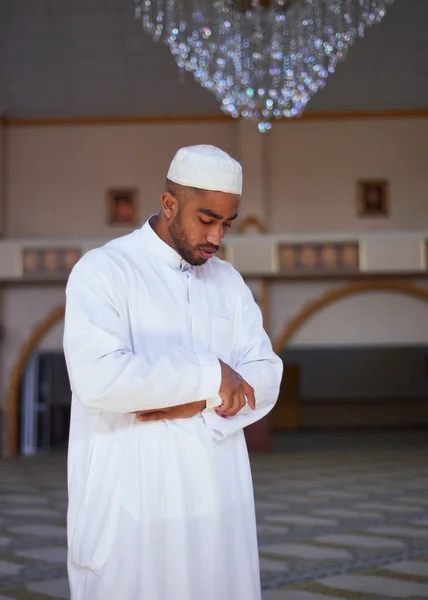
{"points": [[105, 374], [257, 364]]}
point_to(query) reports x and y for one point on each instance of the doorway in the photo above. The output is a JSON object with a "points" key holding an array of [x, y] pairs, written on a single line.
{"points": [[45, 403]]}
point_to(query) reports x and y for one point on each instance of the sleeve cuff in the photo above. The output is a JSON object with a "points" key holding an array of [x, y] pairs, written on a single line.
{"points": [[213, 402], [210, 379], [221, 428]]}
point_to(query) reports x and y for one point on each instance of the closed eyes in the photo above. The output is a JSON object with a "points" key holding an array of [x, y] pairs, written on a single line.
{"points": [[212, 222]]}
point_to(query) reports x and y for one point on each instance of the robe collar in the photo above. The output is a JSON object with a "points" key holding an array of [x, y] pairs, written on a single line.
{"points": [[161, 248]]}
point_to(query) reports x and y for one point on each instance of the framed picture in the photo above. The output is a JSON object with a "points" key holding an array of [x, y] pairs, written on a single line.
{"points": [[373, 200], [313, 257], [49, 262], [122, 210]]}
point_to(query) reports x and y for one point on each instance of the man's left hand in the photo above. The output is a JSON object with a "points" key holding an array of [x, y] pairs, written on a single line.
{"points": [[183, 411]]}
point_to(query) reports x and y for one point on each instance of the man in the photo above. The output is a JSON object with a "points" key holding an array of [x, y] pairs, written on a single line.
{"points": [[168, 362]]}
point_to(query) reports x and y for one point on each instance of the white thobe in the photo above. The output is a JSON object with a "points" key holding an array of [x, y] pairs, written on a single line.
{"points": [[161, 510]]}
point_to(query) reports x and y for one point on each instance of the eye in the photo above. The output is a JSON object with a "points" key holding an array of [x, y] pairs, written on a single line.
{"points": [[206, 222], [227, 225]]}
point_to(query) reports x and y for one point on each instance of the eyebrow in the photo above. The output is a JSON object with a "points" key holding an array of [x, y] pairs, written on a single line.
{"points": [[210, 213]]}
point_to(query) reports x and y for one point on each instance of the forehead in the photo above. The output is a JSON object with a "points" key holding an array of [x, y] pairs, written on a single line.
{"points": [[223, 204]]}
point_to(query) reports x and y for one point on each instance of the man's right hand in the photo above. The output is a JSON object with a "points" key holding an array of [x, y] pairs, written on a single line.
{"points": [[235, 392]]}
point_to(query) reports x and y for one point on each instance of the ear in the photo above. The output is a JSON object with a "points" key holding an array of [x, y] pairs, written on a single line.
{"points": [[169, 205]]}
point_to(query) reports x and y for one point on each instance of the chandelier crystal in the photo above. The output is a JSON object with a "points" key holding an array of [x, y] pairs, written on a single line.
{"points": [[262, 59]]}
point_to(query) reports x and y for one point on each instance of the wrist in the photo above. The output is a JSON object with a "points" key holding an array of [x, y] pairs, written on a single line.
{"points": [[213, 402]]}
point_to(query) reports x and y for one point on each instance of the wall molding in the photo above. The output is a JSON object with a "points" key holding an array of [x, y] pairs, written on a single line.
{"points": [[147, 119], [253, 254]]}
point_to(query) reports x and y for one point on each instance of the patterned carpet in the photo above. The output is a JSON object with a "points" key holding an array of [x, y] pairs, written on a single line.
{"points": [[339, 517]]}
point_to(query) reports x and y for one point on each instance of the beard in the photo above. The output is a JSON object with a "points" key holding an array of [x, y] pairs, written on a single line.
{"points": [[182, 243]]}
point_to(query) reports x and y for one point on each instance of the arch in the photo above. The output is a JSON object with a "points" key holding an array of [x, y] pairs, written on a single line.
{"points": [[252, 221], [312, 307], [292, 326], [37, 334]]}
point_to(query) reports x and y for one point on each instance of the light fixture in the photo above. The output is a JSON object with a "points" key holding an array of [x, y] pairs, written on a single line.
{"points": [[263, 59]]}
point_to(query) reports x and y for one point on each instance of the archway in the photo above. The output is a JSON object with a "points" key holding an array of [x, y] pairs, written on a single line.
{"points": [[37, 334], [288, 414], [331, 296], [292, 326]]}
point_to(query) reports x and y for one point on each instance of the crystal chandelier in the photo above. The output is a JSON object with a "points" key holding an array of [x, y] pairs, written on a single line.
{"points": [[263, 59]]}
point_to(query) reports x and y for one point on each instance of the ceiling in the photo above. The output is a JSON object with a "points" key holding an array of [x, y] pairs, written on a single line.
{"points": [[83, 58]]}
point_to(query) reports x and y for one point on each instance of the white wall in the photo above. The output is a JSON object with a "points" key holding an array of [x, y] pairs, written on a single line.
{"points": [[314, 167], [54, 338], [57, 176], [372, 318]]}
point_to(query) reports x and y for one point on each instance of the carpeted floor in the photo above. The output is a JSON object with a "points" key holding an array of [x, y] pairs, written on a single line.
{"points": [[339, 517]]}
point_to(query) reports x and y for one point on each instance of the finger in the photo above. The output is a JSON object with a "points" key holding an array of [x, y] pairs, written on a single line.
{"points": [[220, 413], [237, 403], [226, 403], [249, 392], [226, 409], [220, 410], [153, 416], [141, 418], [232, 404], [147, 413]]}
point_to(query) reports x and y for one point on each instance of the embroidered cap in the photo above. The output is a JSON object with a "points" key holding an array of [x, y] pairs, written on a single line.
{"points": [[207, 168]]}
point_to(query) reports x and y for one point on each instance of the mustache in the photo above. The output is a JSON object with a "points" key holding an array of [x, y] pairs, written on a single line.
{"points": [[209, 248]]}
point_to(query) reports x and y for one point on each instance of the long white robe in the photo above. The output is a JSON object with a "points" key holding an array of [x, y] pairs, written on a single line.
{"points": [[161, 510]]}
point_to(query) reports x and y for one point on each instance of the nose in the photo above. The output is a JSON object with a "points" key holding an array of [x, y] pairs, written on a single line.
{"points": [[215, 236]]}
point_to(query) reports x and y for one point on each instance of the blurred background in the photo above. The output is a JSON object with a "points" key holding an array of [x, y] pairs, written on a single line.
{"points": [[332, 238]]}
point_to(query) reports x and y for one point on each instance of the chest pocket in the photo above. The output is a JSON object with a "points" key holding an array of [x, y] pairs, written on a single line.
{"points": [[221, 341]]}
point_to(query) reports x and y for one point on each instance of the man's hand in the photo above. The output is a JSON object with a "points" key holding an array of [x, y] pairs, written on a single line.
{"points": [[235, 392], [183, 411]]}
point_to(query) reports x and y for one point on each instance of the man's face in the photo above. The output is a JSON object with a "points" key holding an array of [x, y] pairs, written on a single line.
{"points": [[201, 223]]}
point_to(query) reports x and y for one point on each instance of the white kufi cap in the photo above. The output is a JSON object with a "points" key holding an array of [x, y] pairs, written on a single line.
{"points": [[206, 168]]}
